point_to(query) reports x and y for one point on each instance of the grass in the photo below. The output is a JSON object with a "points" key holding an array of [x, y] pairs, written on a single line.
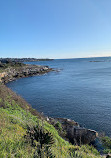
{"points": [[24, 133], [106, 141]]}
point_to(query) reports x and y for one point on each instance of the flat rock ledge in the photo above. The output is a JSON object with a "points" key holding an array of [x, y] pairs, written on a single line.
{"points": [[75, 134], [12, 73]]}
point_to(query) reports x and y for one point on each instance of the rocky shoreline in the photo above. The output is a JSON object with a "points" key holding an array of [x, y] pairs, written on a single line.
{"points": [[13, 73], [74, 133]]}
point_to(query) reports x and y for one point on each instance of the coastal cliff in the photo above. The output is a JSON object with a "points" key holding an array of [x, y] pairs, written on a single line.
{"points": [[27, 133], [74, 133]]}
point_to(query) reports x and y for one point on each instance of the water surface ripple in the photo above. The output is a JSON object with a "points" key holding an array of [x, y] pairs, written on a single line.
{"points": [[81, 91]]}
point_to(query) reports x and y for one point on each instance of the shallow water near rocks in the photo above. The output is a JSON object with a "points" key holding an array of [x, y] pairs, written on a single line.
{"points": [[81, 91]]}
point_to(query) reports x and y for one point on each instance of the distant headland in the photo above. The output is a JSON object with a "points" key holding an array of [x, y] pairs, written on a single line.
{"points": [[23, 59]]}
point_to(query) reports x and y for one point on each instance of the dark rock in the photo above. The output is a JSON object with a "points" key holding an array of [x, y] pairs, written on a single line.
{"points": [[76, 134]]}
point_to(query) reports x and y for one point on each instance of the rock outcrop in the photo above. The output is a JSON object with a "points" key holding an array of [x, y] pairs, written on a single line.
{"points": [[75, 134], [12, 73]]}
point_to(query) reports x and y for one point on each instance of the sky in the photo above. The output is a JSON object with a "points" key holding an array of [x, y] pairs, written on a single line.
{"points": [[55, 28]]}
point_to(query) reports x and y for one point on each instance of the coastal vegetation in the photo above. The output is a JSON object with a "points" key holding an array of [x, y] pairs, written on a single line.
{"points": [[26, 133], [106, 141], [11, 70]]}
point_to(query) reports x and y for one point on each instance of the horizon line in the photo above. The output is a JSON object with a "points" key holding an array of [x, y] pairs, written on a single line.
{"points": [[58, 58]]}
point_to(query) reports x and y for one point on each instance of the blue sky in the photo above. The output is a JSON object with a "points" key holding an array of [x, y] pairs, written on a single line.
{"points": [[55, 28]]}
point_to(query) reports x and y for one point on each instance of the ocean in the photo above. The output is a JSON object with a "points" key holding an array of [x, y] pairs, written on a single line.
{"points": [[80, 90]]}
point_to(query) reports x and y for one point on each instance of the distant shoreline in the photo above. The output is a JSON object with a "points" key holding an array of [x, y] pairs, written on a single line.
{"points": [[24, 59]]}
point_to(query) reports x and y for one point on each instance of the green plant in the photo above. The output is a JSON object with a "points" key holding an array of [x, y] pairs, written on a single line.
{"points": [[58, 126], [106, 142], [24, 133]]}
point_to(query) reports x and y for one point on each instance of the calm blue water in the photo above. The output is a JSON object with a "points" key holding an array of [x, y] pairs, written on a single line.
{"points": [[81, 91]]}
